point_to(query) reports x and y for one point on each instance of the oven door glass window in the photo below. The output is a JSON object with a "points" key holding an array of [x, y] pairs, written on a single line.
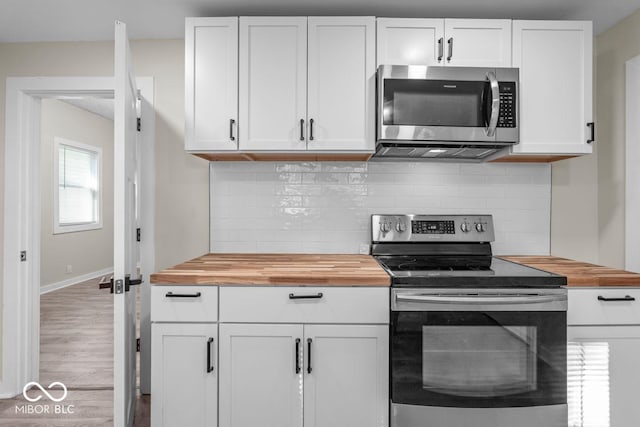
{"points": [[478, 359]]}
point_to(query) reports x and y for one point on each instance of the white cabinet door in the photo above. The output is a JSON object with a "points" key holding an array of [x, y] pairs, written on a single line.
{"points": [[410, 41], [184, 388], [555, 61], [603, 376], [478, 42], [341, 85], [211, 83], [260, 375], [346, 378], [273, 83]]}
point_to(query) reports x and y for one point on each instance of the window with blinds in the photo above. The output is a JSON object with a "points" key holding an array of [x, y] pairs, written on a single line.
{"points": [[588, 384], [77, 186]]}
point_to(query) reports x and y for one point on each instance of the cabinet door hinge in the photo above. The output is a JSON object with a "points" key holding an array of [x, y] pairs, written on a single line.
{"points": [[138, 345], [23, 256], [137, 234], [139, 124]]}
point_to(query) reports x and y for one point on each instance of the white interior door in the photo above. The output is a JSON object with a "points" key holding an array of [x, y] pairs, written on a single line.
{"points": [[125, 252]]}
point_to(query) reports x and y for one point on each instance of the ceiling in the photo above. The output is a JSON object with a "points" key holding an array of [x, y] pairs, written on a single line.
{"points": [[89, 20]]}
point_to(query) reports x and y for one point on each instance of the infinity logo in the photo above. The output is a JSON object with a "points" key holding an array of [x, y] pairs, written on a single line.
{"points": [[35, 399]]}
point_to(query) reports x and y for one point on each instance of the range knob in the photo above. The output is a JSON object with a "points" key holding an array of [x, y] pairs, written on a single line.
{"points": [[480, 227], [465, 227], [385, 227], [400, 227]]}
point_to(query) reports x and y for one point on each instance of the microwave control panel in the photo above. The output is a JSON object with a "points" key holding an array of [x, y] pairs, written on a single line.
{"points": [[508, 103]]}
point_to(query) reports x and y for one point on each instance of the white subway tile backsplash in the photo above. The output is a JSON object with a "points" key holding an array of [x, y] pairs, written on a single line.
{"points": [[326, 207]]}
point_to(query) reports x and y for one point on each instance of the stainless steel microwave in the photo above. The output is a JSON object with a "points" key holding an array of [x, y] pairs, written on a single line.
{"points": [[464, 113]]}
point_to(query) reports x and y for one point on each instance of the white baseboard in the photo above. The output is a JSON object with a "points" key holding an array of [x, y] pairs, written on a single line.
{"points": [[74, 280]]}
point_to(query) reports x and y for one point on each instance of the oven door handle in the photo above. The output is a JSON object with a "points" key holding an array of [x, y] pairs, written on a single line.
{"points": [[480, 299], [495, 103]]}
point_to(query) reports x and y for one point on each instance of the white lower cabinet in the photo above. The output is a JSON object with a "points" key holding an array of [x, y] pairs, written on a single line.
{"points": [[287, 375], [259, 385], [603, 357], [184, 374], [346, 377]]}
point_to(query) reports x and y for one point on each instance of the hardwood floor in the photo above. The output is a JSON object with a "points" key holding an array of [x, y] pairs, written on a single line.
{"points": [[76, 348]]}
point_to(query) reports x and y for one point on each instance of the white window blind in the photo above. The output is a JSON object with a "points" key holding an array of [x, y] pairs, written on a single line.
{"points": [[588, 384], [78, 186]]}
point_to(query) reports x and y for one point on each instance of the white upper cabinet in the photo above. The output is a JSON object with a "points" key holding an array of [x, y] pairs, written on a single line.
{"points": [[454, 42], [478, 42], [273, 83], [211, 83], [341, 83], [555, 60], [410, 41]]}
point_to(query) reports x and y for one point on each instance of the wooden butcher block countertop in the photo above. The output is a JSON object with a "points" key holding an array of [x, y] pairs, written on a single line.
{"points": [[276, 270], [579, 273]]}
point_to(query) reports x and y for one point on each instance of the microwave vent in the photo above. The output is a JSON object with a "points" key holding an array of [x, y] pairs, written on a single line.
{"points": [[438, 152]]}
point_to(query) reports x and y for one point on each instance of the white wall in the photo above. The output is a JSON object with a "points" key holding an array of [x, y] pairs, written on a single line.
{"points": [[589, 193], [326, 207], [86, 251]]}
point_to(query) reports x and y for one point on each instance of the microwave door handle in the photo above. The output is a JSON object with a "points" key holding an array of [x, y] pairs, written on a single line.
{"points": [[495, 104]]}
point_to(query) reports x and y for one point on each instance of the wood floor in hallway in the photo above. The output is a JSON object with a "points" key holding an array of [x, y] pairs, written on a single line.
{"points": [[76, 348]]}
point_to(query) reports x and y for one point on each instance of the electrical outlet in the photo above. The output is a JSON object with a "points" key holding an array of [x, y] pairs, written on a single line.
{"points": [[364, 249], [69, 269]]}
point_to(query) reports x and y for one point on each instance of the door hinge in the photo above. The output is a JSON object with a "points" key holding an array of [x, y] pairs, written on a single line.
{"points": [[139, 124], [23, 256], [137, 234], [138, 345]]}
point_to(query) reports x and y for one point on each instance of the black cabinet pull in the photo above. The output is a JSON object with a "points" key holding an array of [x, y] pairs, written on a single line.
{"points": [[440, 48], [315, 296], [301, 129], [297, 355], [450, 55], [209, 366], [309, 341], [231, 123], [626, 298], [172, 295], [311, 130], [592, 125]]}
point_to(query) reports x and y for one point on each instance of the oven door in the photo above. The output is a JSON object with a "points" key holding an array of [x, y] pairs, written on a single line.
{"points": [[478, 349]]}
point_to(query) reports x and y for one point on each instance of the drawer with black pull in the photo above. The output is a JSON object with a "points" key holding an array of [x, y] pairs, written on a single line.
{"points": [[277, 304], [604, 306], [184, 303]]}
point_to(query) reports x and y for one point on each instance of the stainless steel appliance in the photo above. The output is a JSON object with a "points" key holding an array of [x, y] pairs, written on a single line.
{"points": [[455, 113], [476, 341]]}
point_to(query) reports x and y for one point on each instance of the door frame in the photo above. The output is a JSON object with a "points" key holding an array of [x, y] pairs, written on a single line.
{"points": [[21, 280], [632, 160]]}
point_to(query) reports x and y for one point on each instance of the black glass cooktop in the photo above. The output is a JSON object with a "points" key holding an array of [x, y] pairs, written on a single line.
{"points": [[481, 271]]}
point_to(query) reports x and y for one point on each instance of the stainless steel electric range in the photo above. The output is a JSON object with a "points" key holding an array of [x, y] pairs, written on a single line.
{"points": [[476, 341]]}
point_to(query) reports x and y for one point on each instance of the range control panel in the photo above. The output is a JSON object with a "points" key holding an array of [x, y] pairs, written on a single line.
{"points": [[432, 228]]}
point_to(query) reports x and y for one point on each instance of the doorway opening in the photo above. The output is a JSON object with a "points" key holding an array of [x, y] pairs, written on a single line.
{"points": [[21, 362]]}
